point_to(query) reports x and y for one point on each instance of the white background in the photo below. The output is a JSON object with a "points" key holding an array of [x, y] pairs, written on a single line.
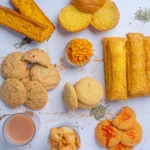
{"points": [[55, 112]]}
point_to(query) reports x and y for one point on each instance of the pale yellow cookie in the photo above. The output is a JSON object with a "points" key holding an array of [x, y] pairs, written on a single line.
{"points": [[36, 95], [13, 93], [26, 77], [48, 77], [126, 119], [70, 97], [37, 56], [133, 136], [13, 66], [89, 91]]}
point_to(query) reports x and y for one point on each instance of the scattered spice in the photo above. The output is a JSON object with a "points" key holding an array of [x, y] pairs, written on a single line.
{"points": [[143, 15], [24, 41], [79, 51], [99, 112]]}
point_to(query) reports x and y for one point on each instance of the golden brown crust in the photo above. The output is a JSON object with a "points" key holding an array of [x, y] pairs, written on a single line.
{"points": [[35, 25], [88, 6]]}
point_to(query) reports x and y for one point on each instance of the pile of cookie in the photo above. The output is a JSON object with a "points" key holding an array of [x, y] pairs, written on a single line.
{"points": [[28, 78], [85, 94], [101, 14], [64, 138], [124, 132]]}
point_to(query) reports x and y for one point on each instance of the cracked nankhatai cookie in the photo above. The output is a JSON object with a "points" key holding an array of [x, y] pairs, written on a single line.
{"points": [[13, 66], [37, 95], [37, 56], [48, 77], [26, 77], [13, 93]]}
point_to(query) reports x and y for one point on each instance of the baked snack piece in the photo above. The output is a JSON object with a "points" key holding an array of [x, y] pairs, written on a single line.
{"points": [[106, 134], [22, 24], [106, 18], [48, 77], [73, 20], [133, 136], [136, 65], [88, 6], [30, 9], [37, 56], [26, 77], [70, 97], [89, 91], [147, 60], [13, 66], [115, 67], [13, 93], [36, 95], [120, 147], [126, 119]]}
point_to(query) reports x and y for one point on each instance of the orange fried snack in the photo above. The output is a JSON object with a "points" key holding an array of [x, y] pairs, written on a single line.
{"points": [[133, 136], [137, 82], [126, 119], [106, 134], [120, 147]]}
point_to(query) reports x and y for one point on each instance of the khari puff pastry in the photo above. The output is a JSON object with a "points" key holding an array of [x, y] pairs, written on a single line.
{"points": [[115, 68], [147, 60], [136, 65]]}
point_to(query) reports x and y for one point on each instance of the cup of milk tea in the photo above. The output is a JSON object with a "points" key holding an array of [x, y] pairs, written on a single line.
{"points": [[19, 129]]}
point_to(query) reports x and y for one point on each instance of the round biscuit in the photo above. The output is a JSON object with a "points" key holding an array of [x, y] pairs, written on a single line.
{"points": [[89, 91], [48, 77], [106, 134], [70, 97], [37, 56], [13, 66], [37, 95], [13, 93]]}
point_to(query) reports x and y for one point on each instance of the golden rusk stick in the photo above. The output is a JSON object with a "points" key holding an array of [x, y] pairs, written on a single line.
{"points": [[136, 65], [147, 60], [115, 68]]}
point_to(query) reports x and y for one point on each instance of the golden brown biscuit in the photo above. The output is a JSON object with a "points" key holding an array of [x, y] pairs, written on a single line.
{"points": [[26, 77], [126, 119], [37, 56], [13, 93], [106, 134], [89, 91], [70, 97], [106, 17], [88, 6], [133, 136], [48, 77], [36, 95], [73, 20], [13, 66], [120, 147]]}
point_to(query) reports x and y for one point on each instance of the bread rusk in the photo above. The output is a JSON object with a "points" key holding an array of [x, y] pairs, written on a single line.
{"points": [[30, 9], [107, 17], [115, 68], [137, 81], [88, 6], [147, 60], [73, 20], [22, 24]]}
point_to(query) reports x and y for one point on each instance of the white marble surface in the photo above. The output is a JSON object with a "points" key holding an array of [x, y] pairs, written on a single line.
{"points": [[55, 112]]}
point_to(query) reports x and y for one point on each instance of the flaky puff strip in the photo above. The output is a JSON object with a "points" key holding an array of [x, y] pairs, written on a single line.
{"points": [[137, 85], [115, 68], [147, 60]]}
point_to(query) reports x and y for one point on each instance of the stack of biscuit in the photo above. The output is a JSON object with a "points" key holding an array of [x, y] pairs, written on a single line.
{"points": [[127, 66], [124, 132], [31, 21], [85, 94], [25, 85], [101, 14]]}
